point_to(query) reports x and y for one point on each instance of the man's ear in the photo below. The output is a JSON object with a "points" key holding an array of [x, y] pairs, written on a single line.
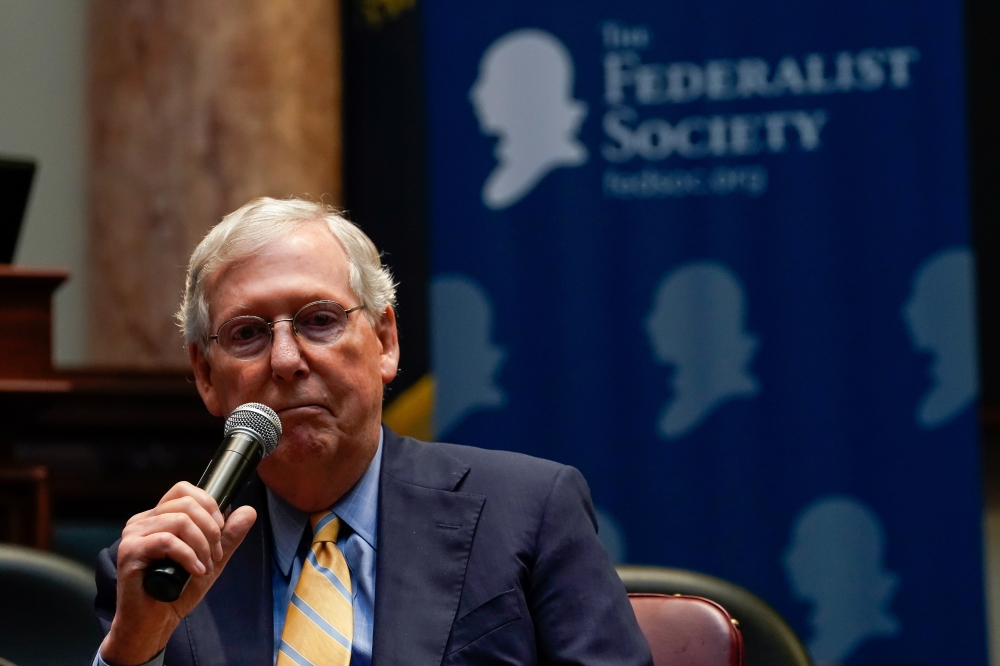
{"points": [[389, 358], [203, 379]]}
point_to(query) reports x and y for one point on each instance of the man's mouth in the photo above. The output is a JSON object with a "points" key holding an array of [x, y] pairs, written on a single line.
{"points": [[297, 409]]}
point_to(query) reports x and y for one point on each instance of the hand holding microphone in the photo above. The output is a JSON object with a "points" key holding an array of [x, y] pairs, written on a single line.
{"points": [[186, 532], [252, 432]]}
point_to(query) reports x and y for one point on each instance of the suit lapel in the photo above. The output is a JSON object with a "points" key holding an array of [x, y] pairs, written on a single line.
{"points": [[425, 532]]}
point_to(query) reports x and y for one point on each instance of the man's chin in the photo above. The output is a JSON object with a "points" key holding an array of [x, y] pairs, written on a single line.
{"points": [[299, 445]]}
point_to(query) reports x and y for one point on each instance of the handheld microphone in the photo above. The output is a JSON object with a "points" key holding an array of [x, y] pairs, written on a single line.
{"points": [[252, 432]]}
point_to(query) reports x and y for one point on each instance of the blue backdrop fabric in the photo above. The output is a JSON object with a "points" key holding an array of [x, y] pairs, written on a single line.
{"points": [[716, 256]]}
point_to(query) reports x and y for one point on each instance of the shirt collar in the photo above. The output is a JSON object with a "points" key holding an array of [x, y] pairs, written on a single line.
{"points": [[358, 508]]}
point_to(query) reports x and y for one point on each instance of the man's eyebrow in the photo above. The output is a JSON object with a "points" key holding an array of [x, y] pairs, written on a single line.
{"points": [[239, 311], [243, 309]]}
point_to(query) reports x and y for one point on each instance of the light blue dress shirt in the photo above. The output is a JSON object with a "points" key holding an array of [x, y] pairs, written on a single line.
{"points": [[357, 510]]}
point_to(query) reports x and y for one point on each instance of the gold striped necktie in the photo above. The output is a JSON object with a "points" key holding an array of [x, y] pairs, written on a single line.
{"points": [[319, 625]]}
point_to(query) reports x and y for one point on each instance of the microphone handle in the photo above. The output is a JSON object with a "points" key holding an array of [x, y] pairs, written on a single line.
{"points": [[223, 479]]}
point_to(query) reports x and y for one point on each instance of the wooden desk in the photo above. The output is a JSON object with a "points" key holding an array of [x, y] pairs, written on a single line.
{"points": [[26, 329], [113, 443], [26, 369]]}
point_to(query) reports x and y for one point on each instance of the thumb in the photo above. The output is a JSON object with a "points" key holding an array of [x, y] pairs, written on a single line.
{"points": [[235, 530], [233, 533]]}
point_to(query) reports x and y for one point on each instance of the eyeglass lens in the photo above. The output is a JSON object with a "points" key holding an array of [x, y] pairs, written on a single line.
{"points": [[319, 323]]}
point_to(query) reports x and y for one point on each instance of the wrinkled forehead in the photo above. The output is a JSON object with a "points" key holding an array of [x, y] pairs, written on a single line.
{"points": [[310, 259]]}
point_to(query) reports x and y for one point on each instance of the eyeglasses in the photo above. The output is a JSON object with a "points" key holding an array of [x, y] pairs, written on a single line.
{"points": [[319, 323]]}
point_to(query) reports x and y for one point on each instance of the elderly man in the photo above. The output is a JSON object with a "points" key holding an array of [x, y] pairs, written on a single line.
{"points": [[358, 545]]}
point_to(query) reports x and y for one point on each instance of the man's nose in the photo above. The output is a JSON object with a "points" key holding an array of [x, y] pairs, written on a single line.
{"points": [[286, 354]]}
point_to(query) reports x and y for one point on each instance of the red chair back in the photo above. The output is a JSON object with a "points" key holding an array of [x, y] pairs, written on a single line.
{"points": [[687, 631]]}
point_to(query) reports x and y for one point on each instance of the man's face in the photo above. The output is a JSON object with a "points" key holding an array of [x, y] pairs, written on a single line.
{"points": [[329, 398]]}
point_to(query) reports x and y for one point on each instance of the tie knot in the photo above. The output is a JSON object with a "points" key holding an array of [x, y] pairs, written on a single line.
{"points": [[325, 526]]}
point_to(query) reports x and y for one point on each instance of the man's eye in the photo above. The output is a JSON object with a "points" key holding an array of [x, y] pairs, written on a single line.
{"points": [[241, 334], [320, 320], [244, 333]]}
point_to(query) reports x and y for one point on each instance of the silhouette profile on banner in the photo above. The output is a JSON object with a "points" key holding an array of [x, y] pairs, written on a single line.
{"points": [[463, 358], [834, 562], [697, 324], [524, 97], [941, 316]]}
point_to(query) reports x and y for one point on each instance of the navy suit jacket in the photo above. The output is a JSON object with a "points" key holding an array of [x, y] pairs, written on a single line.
{"points": [[484, 557]]}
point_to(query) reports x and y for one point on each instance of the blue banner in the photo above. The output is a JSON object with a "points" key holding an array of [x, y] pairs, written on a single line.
{"points": [[716, 255]]}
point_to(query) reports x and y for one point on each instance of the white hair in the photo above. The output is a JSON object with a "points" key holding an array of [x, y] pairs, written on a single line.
{"points": [[251, 228]]}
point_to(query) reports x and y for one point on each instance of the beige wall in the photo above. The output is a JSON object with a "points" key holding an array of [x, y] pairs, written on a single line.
{"points": [[196, 108], [42, 100]]}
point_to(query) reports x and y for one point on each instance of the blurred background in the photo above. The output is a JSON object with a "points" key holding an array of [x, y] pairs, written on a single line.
{"points": [[736, 262]]}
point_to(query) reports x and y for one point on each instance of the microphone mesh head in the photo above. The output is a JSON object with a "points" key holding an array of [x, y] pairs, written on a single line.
{"points": [[260, 420]]}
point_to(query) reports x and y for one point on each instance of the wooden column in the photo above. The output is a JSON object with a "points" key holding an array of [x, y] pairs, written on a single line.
{"points": [[196, 108]]}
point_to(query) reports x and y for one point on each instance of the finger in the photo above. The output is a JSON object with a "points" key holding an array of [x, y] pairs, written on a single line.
{"points": [[181, 526], [185, 506], [191, 507], [217, 553], [185, 489], [165, 544], [140, 516]]}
